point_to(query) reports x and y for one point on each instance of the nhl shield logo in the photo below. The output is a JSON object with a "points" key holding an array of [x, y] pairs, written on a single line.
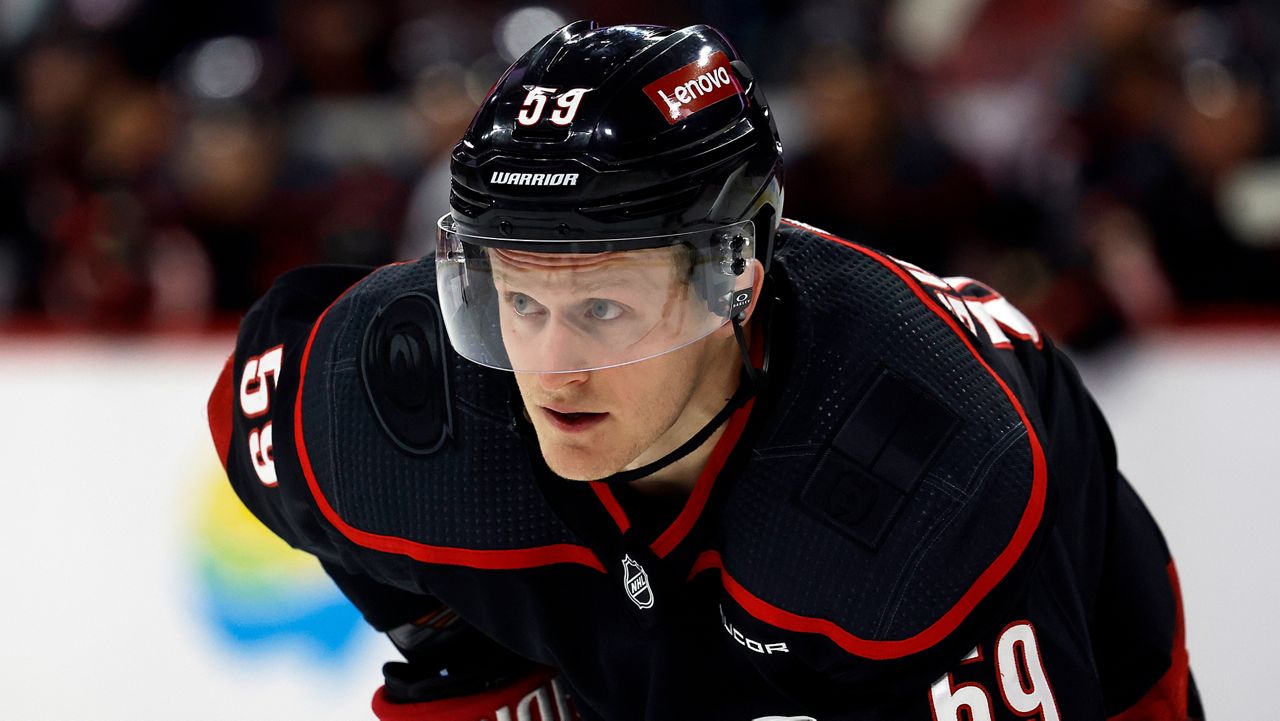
{"points": [[637, 582]]}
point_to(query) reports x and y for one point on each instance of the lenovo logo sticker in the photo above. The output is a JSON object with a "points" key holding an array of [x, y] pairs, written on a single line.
{"points": [[685, 91]]}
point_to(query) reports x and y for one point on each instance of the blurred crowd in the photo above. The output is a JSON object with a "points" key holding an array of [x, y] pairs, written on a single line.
{"points": [[1110, 165]]}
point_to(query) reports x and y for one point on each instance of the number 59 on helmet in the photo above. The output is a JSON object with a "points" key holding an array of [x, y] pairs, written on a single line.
{"points": [[608, 201]]}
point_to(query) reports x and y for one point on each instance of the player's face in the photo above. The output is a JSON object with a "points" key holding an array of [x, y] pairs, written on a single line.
{"points": [[569, 311], [556, 309], [592, 424]]}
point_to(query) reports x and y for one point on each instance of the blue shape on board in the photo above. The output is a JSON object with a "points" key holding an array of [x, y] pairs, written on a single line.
{"points": [[319, 620]]}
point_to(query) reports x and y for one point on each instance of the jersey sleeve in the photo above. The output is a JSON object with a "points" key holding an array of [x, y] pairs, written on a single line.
{"points": [[449, 664], [250, 408], [1085, 620], [251, 418], [1107, 553]]}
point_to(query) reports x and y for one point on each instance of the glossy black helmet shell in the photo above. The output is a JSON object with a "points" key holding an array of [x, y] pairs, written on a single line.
{"points": [[627, 153]]}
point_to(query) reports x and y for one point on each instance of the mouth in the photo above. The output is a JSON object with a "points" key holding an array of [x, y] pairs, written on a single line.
{"points": [[573, 422]]}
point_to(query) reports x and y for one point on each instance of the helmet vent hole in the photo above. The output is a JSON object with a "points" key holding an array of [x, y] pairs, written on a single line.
{"points": [[541, 135]]}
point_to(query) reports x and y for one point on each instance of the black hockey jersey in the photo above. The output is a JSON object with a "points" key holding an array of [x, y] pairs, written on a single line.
{"points": [[920, 518]]}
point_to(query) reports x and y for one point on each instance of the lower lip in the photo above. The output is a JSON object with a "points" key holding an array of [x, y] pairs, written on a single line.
{"points": [[574, 422]]}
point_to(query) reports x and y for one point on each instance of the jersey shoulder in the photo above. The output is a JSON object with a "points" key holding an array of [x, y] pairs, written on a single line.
{"points": [[350, 428], [901, 463], [409, 449]]}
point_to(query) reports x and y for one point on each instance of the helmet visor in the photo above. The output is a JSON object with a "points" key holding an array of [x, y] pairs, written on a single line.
{"points": [[540, 306]]}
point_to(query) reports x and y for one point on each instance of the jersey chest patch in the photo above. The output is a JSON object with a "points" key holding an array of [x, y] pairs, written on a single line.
{"points": [[877, 457], [636, 580]]}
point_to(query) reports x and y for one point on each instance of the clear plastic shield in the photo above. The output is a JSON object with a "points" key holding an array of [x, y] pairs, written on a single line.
{"points": [[530, 306]]}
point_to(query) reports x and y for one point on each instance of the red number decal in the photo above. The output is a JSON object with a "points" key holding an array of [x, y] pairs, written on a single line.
{"points": [[531, 111], [536, 102], [260, 450], [257, 384], [948, 701], [567, 106], [259, 372], [998, 316], [1024, 685]]}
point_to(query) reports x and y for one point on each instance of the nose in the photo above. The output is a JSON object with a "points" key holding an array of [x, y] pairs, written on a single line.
{"points": [[560, 348], [552, 382], [557, 346]]}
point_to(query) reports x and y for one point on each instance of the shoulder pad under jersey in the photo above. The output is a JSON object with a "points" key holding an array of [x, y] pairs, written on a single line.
{"points": [[895, 482], [408, 451]]}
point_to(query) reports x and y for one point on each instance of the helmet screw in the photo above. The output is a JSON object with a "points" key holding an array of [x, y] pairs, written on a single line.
{"points": [[505, 227], [563, 229]]}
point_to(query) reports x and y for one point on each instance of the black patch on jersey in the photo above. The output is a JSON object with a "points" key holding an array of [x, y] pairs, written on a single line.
{"points": [[880, 452], [405, 376], [876, 500]]}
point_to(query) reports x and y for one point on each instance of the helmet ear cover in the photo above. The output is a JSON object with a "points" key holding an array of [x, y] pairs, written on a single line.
{"points": [[402, 363]]}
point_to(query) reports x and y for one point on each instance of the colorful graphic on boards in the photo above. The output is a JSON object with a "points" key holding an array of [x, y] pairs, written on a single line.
{"points": [[261, 594]]}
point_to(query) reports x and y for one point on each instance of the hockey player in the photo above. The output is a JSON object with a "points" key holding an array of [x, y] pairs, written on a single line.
{"points": [[633, 444]]}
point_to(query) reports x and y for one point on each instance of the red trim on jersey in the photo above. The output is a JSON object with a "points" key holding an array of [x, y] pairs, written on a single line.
{"points": [[471, 558], [986, 581], [219, 411], [610, 503], [693, 507], [680, 528], [705, 561], [1167, 699], [463, 708], [985, 292]]}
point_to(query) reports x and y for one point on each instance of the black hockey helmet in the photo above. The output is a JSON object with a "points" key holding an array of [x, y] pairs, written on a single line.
{"points": [[611, 151]]}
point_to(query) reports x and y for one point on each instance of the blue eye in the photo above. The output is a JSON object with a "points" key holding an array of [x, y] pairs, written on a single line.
{"points": [[605, 309], [523, 304]]}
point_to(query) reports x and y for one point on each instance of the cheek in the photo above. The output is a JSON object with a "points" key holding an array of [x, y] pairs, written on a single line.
{"points": [[648, 403], [526, 383]]}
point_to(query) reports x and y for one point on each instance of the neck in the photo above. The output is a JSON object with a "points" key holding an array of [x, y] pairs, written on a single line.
{"points": [[717, 384]]}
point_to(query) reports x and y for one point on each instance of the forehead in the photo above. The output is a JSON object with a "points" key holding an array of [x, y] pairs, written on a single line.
{"points": [[650, 266]]}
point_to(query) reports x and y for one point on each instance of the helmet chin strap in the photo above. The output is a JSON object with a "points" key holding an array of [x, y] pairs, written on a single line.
{"points": [[751, 385]]}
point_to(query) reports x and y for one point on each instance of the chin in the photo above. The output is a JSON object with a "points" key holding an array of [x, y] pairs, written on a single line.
{"points": [[579, 470], [579, 464]]}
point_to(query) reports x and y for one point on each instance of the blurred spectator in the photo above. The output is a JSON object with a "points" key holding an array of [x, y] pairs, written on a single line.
{"points": [[338, 47], [441, 100], [1109, 164], [225, 190], [875, 174], [92, 147], [1176, 108]]}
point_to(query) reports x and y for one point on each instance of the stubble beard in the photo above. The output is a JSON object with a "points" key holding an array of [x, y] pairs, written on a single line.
{"points": [[648, 433], [620, 443]]}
